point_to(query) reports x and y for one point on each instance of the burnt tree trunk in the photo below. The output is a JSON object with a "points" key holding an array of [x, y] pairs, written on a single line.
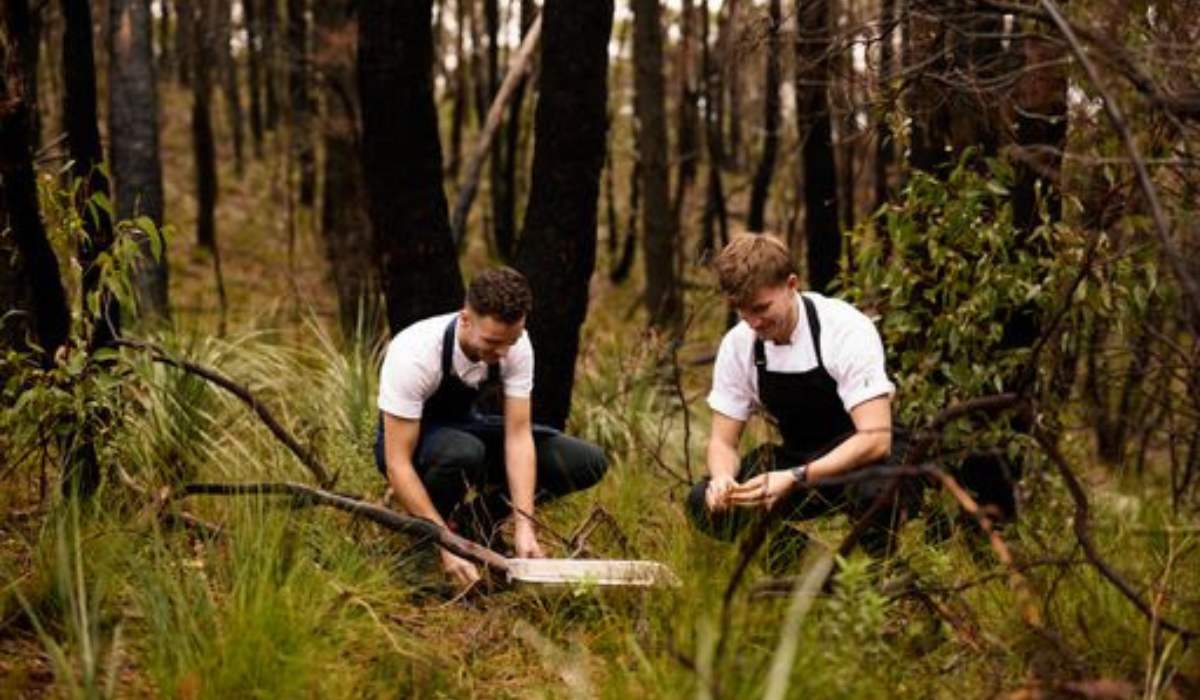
{"points": [[185, 11], [558, 246], [344, 223], [506, 186], [203, 148], [458, 112], [254, 62], [402, 161], [715, 218], [687, 146], [658, 233], [83, 145], [929, 130], [30, 279], [25, 30], [270, 54], [133, 135], [883, 130], [731, 64], [298, 99], [761, 190], [222, 37], [819, 173]]}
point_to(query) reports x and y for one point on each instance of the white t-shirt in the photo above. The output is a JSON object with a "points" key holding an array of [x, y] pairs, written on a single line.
{"points": [[850, 347], [412, 367]]}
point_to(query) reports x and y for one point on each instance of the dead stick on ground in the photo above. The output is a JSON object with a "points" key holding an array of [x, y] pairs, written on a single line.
{"points": [[382, 516], [306, 457], [518, 67]]}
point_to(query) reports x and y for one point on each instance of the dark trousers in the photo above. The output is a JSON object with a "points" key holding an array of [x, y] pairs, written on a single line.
{"points": [[854, 499], [460, 460]]}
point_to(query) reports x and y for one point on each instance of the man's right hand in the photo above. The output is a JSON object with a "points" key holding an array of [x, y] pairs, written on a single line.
{"points": [[459, 570], [717, 494]]}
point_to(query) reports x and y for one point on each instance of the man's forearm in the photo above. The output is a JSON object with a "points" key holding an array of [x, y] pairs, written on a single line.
{"points": [[407, 487], [722, 460], [520, 463], [860, 449]]}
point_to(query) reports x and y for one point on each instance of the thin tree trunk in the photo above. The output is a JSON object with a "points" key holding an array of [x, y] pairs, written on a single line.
{"points": [[506, 213], [819, 175], [658, 234], [557, 251], [687, 148], [165, 58], [929, 130], [402, 161], [203, 148], [229, 82], [300, 129], [185, 11], [83, 145], [26, 30], [731, 66], [254, 61], [33, 283], [771, 108], [623, 264], [715, 215], [883, 130], [458, 113], [344, 221], [133, 133], [270, 53]]}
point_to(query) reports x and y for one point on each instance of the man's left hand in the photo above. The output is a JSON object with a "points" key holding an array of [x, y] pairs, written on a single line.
{"points": [[525, 541], [764, 490]]}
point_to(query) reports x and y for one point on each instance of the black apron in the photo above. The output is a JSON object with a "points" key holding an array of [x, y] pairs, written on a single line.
{"points": [[805, 405], [454, 402]]}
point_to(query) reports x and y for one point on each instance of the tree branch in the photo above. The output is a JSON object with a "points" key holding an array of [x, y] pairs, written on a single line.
{"points": [[310, 460]]}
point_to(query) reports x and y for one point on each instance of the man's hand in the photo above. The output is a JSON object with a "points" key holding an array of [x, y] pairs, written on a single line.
{"points": [[459, 570], [525, 540], [716, 496], [764, 490]]}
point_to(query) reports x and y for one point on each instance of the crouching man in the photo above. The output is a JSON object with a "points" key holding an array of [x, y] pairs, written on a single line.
{"points": [[455, 426], [815, 365]]}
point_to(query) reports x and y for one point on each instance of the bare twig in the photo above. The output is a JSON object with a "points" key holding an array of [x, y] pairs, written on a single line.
{"points": [[1081, 523], [1162, 228], [305, 456]]}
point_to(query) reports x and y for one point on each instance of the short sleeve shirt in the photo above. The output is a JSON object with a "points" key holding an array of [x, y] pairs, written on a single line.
{"points": [[850, 347], [412, 367]]}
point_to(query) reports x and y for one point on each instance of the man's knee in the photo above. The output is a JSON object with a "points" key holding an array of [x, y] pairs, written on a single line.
{"points": [[454, 451], [567, 464]]}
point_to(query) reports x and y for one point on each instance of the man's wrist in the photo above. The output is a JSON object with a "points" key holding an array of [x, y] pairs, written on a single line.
{"points": [[800, 474]]}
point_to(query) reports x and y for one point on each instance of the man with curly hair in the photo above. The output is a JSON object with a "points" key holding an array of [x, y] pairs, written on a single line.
{"points": [[455, 422]]}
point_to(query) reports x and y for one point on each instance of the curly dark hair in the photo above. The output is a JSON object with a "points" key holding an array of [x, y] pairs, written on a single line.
{"points": [[502, 293]]}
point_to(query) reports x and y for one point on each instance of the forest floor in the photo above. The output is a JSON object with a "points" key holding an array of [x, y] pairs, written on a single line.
{"points": [[105, 600]]}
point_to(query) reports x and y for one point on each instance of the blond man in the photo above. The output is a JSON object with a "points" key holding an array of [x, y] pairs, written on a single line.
{"points": [[815, 365]]}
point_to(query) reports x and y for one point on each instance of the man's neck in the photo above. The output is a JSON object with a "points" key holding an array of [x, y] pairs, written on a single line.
{"points": [[793, 319]]}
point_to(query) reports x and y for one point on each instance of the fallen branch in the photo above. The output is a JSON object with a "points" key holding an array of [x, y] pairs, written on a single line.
{"points": [[389, 519], [306, 457], [1081, 524]]}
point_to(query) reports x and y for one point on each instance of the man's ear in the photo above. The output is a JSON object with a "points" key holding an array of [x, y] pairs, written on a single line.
{"points": [[793, 282]]}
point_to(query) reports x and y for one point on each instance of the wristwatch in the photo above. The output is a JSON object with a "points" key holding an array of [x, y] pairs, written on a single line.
{"points": [[800, 473]]}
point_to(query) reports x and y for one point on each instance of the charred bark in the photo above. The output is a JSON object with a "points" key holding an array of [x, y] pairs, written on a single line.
{"points": [[819, 173], [402, 161], [771, 108], [558, 246], [658, 233], [133, 133], [299, 100], [30, 281]]}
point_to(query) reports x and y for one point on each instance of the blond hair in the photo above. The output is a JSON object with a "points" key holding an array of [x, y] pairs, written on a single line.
{"points": [[751, 262]]}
